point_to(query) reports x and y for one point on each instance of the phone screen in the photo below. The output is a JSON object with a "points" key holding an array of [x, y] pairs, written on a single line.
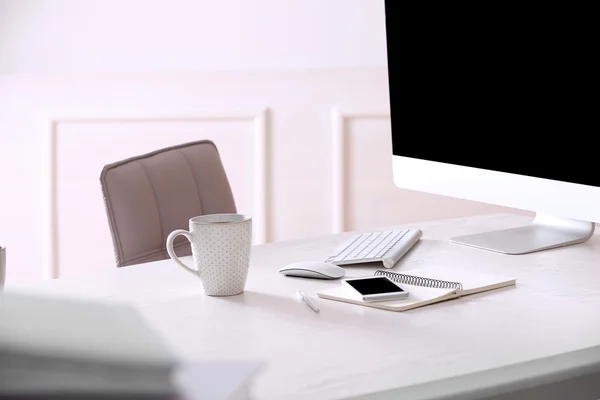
{"points": [[374, 285]]}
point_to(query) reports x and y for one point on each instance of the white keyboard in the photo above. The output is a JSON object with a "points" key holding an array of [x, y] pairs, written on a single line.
{"points": [[386, 247]]}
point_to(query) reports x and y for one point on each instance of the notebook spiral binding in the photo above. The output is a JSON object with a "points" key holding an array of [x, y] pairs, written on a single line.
{"points": [[419, 281]]}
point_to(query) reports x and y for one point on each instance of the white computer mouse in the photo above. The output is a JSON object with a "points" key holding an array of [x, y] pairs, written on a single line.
{"points": [[313, 269]]}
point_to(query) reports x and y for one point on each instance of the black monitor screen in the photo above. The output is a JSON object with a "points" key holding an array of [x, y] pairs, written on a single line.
{"points": [[509, 86]]}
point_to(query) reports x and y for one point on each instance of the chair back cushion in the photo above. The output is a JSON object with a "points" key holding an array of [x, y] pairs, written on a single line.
{"points": [[149, 196]]}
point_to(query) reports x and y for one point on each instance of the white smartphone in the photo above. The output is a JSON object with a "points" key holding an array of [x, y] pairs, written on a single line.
{"points": [[376, 288]]}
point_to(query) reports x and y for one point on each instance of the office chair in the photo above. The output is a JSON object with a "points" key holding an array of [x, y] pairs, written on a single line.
{"points": [[148, 196]]}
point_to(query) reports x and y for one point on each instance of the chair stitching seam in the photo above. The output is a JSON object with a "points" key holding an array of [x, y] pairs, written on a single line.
{"points": [[193, 177], [162, 239], [156, 152]]}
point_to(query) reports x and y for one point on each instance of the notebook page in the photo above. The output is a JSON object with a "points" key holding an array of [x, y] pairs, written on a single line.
{"points": [[472, 281], [418, 297]]}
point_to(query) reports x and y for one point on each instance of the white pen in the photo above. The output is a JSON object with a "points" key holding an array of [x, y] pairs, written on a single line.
{"points": [[302, 296]]}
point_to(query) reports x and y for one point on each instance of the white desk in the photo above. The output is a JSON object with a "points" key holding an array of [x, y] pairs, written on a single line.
{"points": [[348, 350]]}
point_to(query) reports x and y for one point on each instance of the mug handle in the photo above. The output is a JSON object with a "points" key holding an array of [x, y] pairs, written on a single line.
{"points": [[171, 252]]}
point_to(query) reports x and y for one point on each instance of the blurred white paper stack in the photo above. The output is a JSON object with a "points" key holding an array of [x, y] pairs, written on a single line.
{"points": [[54, 347]]}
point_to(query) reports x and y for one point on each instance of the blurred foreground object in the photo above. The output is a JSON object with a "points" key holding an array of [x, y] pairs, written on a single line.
{"points": [[64, 348], [58, 347]]}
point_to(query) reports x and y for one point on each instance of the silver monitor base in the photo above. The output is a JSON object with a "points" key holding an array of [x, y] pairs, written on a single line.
{"points": [[545, 232]]}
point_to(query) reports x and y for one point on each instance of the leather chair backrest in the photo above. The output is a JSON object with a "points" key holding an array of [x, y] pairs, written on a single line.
{"points": [[149, 196]]}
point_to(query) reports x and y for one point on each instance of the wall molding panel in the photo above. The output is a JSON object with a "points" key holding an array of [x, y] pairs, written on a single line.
{"points": [[339, 118], [50, 267]]}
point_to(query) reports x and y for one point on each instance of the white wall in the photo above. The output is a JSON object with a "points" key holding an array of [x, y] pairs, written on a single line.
{"points": [[294, 80], [189, 35]]}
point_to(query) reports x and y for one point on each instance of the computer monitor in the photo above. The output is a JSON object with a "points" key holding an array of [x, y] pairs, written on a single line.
{"points": [[497, 102]]}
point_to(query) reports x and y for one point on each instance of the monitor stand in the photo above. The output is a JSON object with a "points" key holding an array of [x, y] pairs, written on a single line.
{"points": [[545, 232]]}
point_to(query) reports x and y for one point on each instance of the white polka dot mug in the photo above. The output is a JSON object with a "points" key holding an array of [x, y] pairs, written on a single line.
{"points": [[221, 246]]}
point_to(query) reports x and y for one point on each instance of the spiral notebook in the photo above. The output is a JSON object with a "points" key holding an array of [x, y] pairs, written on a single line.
{"points": [[428, 285]]}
